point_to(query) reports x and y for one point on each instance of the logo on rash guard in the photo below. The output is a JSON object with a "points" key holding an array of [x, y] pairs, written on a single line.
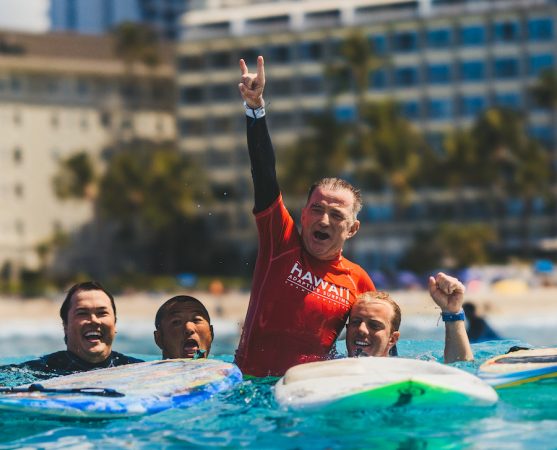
{"points": [[316, 285]]}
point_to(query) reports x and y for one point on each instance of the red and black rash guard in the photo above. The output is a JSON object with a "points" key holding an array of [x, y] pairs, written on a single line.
{"points": [[299, 304]]}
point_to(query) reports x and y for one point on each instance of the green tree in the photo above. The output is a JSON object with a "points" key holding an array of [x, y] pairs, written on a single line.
{"points": [[500, 159], [320, 152], [397, 157], [451, 246], [136, 44], [152, 193], [76, 178]]}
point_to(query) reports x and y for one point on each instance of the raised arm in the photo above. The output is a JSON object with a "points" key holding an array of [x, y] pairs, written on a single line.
{"points": [[260, 147], [448, 293]]}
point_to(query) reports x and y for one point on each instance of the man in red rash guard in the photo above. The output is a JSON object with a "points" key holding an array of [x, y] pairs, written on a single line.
{"points": [[302, 286]]}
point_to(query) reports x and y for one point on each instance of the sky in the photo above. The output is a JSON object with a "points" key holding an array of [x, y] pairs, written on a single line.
{"points": [[24, 15]]}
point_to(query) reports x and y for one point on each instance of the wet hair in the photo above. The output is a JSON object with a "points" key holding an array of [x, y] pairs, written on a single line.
{"points": [[336, 184], [179, 299], [381, 296], [85, 286]]}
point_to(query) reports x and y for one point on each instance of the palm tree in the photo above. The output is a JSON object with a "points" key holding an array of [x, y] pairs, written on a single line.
{"points": [[510, 163]]}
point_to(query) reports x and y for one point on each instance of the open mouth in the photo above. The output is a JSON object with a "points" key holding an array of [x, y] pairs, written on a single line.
{"points": [[361, 343], [93, 336], [320, 235], [191, 346]]}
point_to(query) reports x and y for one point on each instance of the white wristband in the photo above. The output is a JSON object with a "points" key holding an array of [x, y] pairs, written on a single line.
{"points": [[256, 113]]}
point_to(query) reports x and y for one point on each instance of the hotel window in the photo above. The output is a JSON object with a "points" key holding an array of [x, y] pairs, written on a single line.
{"points": [[15, 84], [440, 108], [539, 63], [540, 29], [18, 190], [472, 35], [192, 127], [312, 85], [345, 113], [378, 79], [190, 62], [221, 91], [506, 68], [18, 155], [406, 76], [280, 54], [410, 109], [218, 60], [378, 44], [439, 74], [508, 100], [440, 38], [472, 105], [542, 133], [191, 95], [508, 31], [281, 87], [249, 55], [310, 51], [405, 41], [471, 71], [82, 87], [223, 124], [281, 120]]}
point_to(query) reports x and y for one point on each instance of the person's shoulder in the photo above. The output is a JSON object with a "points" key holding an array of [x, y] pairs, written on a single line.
{"points": [[363, 277]]}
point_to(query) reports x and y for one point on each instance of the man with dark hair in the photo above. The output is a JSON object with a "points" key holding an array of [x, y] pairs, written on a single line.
{"points": [[372, 328], [302, 287], [88, 315], [478, 329], [183, 328]]}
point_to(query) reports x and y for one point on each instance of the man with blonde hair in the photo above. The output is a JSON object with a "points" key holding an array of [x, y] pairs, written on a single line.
{"points": [[373, 326]]}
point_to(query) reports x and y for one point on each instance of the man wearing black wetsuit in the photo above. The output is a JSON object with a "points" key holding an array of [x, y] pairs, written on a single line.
{"points": [[88, 315]]}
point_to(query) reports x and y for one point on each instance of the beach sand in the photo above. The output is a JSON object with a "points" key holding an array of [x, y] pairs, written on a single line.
{"points": [[232, 305]]}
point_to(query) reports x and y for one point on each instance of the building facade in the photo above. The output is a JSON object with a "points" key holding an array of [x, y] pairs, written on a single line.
{"points": [[61, 94], [445, 62], [100, 16]]}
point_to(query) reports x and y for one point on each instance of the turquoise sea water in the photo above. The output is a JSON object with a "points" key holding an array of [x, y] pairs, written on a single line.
{"points": [[247, 416]]}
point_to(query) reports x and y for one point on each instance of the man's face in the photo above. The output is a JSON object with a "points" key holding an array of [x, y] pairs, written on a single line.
{"points": [[327, 221], [91, 326], [183, 331], [368, 331]]}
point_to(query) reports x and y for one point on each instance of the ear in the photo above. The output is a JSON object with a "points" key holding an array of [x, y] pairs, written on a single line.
{"points": [[212, 333], [354, 228], [393, 339], [158, 339]]}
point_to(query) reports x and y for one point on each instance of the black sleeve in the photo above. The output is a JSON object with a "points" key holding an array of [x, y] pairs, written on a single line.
{"points": [[262, 158]]}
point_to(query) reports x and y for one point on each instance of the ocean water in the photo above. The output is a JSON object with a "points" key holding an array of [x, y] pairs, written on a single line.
{"points": [[248, 417]]}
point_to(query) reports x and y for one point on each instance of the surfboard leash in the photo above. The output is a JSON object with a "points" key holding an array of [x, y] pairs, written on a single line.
{"points": [[36, 387]]}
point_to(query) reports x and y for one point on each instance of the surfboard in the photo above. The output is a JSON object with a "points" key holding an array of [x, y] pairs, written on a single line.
{"points": [[125, 391], [377, 382], [520, 367]]}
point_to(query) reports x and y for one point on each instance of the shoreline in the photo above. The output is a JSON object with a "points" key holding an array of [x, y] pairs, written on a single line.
{"points": [[232, 305]]}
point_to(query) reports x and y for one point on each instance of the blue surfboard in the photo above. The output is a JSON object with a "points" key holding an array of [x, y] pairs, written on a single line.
{"points": [[125, 391]]}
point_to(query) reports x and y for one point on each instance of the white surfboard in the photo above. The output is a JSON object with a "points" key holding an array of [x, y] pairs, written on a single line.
{"points": [[124, 391], [520, 367], [363, 383]]}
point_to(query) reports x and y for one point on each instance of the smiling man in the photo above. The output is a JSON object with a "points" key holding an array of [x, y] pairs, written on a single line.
{"points": [[372, 328], [183, 328], [88, 315], [302, 287]]}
